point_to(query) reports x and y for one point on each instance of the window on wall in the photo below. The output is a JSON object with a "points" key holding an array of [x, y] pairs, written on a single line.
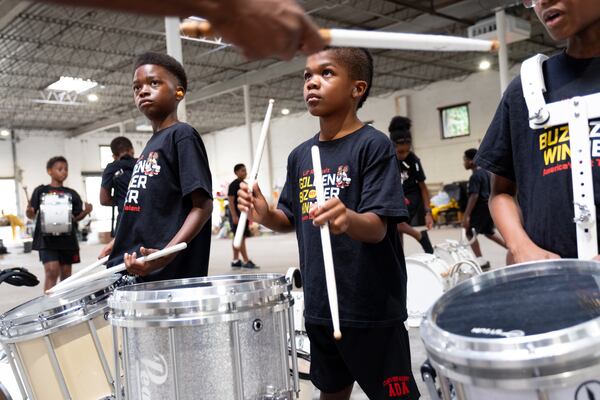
{"points": [[8, 200], [455, 121], [105, 156]]}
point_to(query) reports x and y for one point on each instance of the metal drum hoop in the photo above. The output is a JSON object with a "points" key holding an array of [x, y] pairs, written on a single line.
{"points": [[514, 363]]}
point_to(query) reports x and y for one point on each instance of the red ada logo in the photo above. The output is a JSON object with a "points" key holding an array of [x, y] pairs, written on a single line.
{"points": [[397, 386]]}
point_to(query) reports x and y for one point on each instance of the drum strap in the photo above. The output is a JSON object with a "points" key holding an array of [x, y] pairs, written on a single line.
{"points": [[576, 112]]}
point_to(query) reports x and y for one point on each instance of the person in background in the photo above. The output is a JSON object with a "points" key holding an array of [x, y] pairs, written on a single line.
{"points": [[234, 217], [416, 194]]}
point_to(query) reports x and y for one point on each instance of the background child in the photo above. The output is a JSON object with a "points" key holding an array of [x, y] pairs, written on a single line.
{"points": [[540, 224], [364, 205], [234, 216], [116, 176], [170, 193], [57, 252], [416, 194], [477, 215]]}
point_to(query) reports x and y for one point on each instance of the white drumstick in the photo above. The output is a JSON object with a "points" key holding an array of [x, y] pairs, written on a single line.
{"points": [[373, 39], [118, 268], [260, 147], [326, 243], [84, 271]]}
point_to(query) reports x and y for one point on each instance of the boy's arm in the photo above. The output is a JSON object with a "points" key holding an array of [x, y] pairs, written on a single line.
{"points": [[470, 206], [194, 222], [507, 217], [365, 227], [234, 215], [105, 197]]}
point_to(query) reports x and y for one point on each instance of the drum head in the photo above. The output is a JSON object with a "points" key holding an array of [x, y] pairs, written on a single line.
{"points": [[522, 306], [425, 285]]}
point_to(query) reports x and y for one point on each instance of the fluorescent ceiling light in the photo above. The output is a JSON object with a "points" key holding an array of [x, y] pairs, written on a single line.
{"points": [[92, 97], [4, 132], [69, 84], [484, 64], [285, 111]]}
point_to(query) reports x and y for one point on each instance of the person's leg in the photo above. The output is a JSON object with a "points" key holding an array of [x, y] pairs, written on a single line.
{"points": [[65, 271], [343, 394], [243, 251], [476, 248], [494, 237], [52, 271]]}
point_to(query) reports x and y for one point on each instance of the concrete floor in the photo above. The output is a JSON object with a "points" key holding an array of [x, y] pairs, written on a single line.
{"points": [[273, 253]]}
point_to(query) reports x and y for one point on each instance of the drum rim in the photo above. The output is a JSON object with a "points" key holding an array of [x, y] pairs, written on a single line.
{"points": [[526, 354], [51, 320], [197, 305]]}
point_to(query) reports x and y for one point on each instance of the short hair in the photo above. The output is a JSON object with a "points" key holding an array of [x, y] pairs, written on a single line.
{"points": [[120, 145], [470, 154], [359, 63], [400, 130], [237, 167], [55, 160], [165, 61]]}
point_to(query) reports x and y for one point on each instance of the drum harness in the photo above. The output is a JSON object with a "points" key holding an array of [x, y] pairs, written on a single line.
{"points": [[576, 112]]}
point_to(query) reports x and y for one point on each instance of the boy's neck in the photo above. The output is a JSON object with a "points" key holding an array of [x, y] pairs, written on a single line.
{"points": [[337, 126], [585, 44], [55, 183], [169, 120]]}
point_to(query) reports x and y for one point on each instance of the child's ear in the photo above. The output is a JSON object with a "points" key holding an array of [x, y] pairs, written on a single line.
{"points": [[359, 89]]}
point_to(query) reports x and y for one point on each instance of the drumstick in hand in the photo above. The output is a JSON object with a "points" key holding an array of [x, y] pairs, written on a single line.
{"points": [[117, 268], [372, 39], [260, 147], [326, 244], [79, 274]]}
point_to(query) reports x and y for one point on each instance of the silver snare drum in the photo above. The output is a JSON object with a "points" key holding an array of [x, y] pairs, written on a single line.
{"points": [[60, 345], [220, 338], [527, 332], [56, 214]]}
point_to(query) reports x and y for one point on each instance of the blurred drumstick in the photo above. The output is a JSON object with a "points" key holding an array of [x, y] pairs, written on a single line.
{"points": [[79, 274], [260, 147], [117, 268], [326, 244], [371, 39]]}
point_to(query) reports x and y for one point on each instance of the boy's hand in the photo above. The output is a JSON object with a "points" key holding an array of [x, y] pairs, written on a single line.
{"points": [[466, 222], [143, 268], [530, 252], [254, 204], [429, 220], [88, 208], [332, 211], [107, 249]]}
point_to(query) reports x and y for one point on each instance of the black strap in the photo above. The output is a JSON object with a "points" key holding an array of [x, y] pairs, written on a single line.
{"points": [[18, 277]]}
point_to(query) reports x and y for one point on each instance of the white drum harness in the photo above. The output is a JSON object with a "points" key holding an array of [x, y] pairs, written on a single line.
{"points": [[576, 112]]}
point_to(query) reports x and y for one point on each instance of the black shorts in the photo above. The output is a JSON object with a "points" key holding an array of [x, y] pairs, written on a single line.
{"points": [[234, 229], [378, 359], [64, 257], [482, 222]]}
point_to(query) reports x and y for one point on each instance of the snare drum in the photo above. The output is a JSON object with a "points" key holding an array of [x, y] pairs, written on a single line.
{"points": [[218, 337], [527, 332], [59, 345], [56, 214], [307, 389]]}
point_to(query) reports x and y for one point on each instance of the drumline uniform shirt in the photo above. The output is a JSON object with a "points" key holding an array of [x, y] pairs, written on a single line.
{"points": [[172, 165], [361, 170], [411, 173], [232, 190], [539, 161], [66, 241]]}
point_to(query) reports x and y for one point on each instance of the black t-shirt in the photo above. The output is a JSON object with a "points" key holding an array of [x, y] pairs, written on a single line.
{"points": [[360, 169], [55, 242], [117, 175], [411, 172], [172, 165], [479, 184], [539, 161], [233, 191]]}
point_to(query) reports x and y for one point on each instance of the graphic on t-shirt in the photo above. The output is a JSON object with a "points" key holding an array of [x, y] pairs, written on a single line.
{"points": [[333, 183], [554, 145], [143, 170]]}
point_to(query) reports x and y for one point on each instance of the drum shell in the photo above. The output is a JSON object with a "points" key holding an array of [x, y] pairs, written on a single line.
{"points": [[427, 281], [555, 361]]}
